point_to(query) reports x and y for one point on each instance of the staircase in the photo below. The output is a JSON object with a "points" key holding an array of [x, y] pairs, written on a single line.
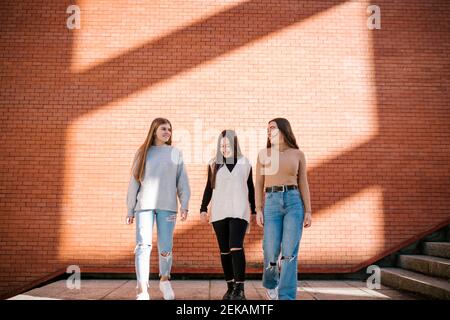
{"points": [[423, 268]]}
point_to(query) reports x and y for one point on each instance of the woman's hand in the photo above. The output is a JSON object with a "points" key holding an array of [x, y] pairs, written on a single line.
{"points": [[203, 216], [260, 218], [308, 219], [129, 220], [184, 214]]}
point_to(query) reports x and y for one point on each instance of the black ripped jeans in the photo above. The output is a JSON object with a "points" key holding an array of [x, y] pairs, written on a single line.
{"points": [[230, 233]]}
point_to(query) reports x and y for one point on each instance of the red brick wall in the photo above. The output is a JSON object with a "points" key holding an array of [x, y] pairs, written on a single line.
{"points": [[370, 109]]}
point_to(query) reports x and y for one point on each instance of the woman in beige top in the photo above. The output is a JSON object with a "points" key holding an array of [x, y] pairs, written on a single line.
{"points": [[283, 208]]}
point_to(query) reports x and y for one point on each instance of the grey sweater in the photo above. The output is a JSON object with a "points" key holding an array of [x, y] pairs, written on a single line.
{"points": [[164, 178]]}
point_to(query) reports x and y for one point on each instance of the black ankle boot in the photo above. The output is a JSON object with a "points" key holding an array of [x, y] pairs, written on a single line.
{"points": [[238, 292], [227, 295]]}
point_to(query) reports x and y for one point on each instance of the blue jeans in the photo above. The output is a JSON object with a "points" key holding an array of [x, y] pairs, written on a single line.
{"points": [[283, 226], [165, 222]]}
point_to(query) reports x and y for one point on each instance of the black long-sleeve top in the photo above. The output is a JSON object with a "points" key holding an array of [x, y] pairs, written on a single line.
{"points": [[207, 193]]}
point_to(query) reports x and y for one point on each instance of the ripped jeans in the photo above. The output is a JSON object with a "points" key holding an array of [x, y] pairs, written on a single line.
{"points": [[165, 222], [283, 226]]}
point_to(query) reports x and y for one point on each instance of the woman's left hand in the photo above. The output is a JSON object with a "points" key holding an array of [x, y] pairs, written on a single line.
{"points": [[184, 214], [308, 219], [129, 220]]}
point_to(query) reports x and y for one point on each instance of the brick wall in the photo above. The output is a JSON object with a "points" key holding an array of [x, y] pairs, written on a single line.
{"points": [[370, 109]]}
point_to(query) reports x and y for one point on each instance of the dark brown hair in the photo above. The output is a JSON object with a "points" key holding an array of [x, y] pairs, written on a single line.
{"points": [[219, 160], [285, 128]]}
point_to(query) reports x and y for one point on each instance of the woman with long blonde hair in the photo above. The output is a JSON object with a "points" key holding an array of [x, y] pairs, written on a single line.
{"points": [[158, 176]]}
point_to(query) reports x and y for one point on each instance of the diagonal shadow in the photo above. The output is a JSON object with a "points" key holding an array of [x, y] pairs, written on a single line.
{"points": [[371, 162], [184, 49], [44, 91], [196, 51]]}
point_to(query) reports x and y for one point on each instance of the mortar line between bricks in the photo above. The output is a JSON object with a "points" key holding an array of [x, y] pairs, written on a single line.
{"points": [[260, 295], [209, 289], [114, 290], [364, 289]]}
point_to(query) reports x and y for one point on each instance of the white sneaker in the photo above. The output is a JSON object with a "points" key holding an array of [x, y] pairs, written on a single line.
{"points": [[272, 294], [166, 289], [143, 296]]}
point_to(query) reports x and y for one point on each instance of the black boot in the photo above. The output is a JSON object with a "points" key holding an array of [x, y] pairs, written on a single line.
{"points": [[238, 292], [227, 295]]}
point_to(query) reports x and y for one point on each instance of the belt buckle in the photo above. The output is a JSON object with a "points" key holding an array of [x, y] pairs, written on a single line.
{"points": [[284, 188]]}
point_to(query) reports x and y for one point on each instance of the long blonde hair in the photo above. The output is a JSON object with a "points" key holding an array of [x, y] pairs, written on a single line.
{"points": [[141, 154]]}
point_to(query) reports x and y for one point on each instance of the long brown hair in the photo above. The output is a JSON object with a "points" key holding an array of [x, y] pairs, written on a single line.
{"points": [[141, 154], [219, 159], [285, 128]]}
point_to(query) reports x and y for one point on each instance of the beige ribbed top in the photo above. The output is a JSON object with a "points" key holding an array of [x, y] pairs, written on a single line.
{"points": [[275, 168]]}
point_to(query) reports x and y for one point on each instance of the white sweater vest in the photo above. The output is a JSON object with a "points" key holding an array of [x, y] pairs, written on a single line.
{"points": [[230, 194]]}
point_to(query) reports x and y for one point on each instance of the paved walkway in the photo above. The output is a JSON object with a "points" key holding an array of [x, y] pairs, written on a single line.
{"points": [[211, 290]]}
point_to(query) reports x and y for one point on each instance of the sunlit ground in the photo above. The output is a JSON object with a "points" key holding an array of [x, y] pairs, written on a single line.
{"points": [[211, 290]]}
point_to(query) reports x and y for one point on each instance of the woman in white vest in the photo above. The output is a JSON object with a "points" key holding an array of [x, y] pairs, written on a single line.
{"points": [[231, 192]]}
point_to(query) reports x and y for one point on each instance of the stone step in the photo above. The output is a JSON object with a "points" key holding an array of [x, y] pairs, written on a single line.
{"points": [[437, 249], [432, 266], [411, 281]]}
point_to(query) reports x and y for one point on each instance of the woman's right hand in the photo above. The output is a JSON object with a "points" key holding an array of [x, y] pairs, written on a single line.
{"points": [[129, 220], [204, 216], [260, 218]]}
